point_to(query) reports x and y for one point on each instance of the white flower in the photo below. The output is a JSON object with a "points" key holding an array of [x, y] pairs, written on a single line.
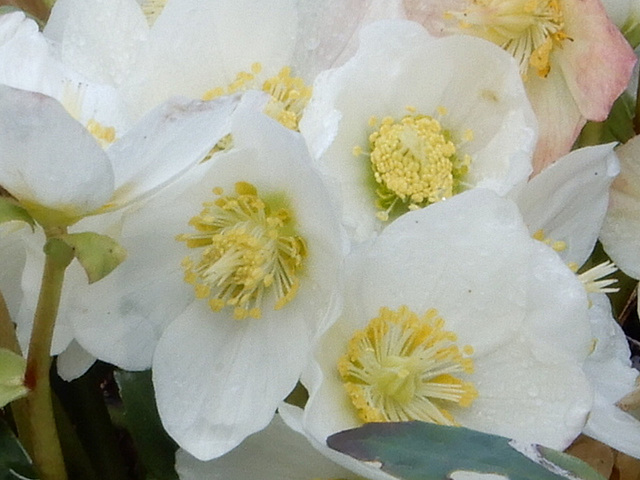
{"points": [[373, 123], [202, 49], [219, 373], [454, 314]]}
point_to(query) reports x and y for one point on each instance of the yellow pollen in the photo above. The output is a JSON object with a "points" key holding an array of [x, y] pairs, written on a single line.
{"points": [[245, 246], [414, 163], [403, 367], [528, 29], [557, 245], [105, 135], [289, 95]]}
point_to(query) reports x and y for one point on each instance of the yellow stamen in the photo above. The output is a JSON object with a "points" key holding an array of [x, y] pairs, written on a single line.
{"points": [[403, 367], [152, 9], [289, 95], [414, 163], [245, 246], [527, 29]]}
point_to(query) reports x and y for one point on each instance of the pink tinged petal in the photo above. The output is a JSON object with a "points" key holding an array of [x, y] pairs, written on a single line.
{"points": [[559, 119], [276, 453], [48, 160], [100, 40], [170, 139], [597, 62], [620, 233], [568, 199]]}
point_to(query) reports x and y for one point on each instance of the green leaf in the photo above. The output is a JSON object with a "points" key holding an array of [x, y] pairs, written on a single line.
{"points": [[12, 368], [155, 447], [425, 451], [10, 211], [14, 462], [98, 254]]}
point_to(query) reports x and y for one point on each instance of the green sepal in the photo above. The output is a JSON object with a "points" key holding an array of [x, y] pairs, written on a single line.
{"points": [[425, 451], [12, 369], [631, 31], [11, 211], [59, 250], [98, 254], [14, 462]]}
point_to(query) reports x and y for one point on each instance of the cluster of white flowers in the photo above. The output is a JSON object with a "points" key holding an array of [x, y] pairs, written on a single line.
{"points": [[375, 200]]}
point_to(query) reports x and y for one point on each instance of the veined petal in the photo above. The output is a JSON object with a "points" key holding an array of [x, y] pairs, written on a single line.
{"points": [[170, 139], [620, 233], [568, 200], [596, 41], [48, 161], [100, 40]]}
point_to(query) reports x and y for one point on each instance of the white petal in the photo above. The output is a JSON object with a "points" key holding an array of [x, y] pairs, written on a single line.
{"points": [[276, 453], [620, 234], [166, 142], [385, 77], [527, 399], [74, 362], [100, 40], [196, 46], [12, 261], [218, 380], [49, 160], [568, 199]]}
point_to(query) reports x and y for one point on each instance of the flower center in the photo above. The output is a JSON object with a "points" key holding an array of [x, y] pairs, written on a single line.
{"points": [[414, 163], [527, 29], [244, 246], [289, 95], [402, 367]]}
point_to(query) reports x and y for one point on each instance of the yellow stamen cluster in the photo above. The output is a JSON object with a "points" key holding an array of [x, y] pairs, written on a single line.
{"points": [[403, 367], [414, 163], [105, 135], [72, 100], [289, 95], [594, 280], [527, 29], [557, 245], [245, 246]]}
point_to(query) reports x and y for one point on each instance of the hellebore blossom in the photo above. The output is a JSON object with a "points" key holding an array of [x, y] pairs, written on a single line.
{"points": [[207, 49], [411, 120], [234, 268], [565, 206], [557, 44], [455, 315], [55, 169]]}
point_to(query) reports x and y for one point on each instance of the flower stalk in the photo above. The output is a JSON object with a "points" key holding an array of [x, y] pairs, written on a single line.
{"points": [[45, 444]]}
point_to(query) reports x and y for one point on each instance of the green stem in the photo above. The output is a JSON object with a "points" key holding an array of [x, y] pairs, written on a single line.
{"points": [[46, 451], [9, 340]]}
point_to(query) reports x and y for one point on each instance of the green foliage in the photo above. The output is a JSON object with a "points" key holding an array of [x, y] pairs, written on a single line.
{"points": [[155, 448], [14, 462], [12, 368], [425, 451], [10, 211]]}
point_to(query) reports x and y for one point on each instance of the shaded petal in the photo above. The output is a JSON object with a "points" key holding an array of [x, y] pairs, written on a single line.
{"points": [[275, 453], [195, 46], [100, 40], [620, 233], [170, 139], [74, 362], [568, 199], [48, 160]]}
